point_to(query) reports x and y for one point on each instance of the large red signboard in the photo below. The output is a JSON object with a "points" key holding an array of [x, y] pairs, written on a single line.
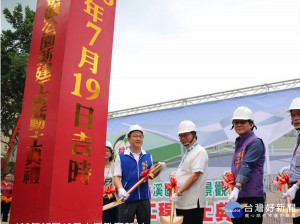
{"points": [[60, 161]]}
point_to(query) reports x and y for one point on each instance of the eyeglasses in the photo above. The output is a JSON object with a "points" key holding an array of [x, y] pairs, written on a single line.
{"points": [[184, 135], [242, 122], [138, 136]]}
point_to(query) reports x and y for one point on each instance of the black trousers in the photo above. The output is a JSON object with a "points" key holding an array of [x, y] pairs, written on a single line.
{"points": [[5, 210], [296, 201], [191, 216], [111, 215], [253, 215], [142, 210]]}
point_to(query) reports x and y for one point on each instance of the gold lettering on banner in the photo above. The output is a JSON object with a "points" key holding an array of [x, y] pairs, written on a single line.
{"points": [[86, 89], [92, 85], [95, 90], [52, 11], [32, 175], [97, 33], [84, 119], [89, 57], [79, 171], [39, 108], [33, 156], [76, 92], [94, 10], [49, 28], [81, 143], [40, 103], [37, 122], [47, 41], [43, 72], [109, 2]]}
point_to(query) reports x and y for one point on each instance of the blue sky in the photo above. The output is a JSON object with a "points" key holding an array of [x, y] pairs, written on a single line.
{"points": [[171, 49]]}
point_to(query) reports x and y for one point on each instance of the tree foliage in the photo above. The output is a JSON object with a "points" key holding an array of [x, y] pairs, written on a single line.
{"points": [[15, 46]]}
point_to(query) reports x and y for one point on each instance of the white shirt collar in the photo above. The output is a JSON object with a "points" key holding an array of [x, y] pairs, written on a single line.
{"points": [[127, 151]]}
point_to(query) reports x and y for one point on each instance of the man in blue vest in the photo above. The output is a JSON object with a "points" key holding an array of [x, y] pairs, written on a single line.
{"points": [[128, 167], [294, 167], [248, 168]]}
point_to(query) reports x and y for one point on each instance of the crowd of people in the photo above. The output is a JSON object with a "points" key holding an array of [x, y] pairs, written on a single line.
{"points": [[247, 168]]}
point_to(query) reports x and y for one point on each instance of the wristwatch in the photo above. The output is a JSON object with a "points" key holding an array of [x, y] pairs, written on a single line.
{"points": [[238, 187]]}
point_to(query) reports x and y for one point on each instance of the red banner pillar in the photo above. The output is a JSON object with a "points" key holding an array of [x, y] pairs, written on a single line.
{"points": [[60, 160]]}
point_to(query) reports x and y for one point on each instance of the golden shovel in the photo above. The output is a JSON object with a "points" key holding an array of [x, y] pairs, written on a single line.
{"points": [[121, 200], [243, 205], [171, 219], [289, 211]]}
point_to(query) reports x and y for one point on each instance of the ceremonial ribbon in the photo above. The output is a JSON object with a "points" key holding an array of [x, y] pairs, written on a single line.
{"points": [[228, 181], [173, 183], [146, 174], [108, 191], [5, 199], [284, 179]]}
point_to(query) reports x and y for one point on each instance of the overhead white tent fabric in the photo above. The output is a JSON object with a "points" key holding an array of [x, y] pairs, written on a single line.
{"points": [[213, 119]]}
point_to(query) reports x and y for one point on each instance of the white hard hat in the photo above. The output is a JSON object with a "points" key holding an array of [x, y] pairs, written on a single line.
{"points": [[109, 145], [186, 126], [135, 127], [295, 105], [242, 113]]}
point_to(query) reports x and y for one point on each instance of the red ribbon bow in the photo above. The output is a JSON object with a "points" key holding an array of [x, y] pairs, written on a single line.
{"points": [[146, 173], [173, 183], [108, 191], [284, 179], [228, 181]]}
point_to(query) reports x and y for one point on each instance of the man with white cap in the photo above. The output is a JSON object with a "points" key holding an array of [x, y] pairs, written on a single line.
{"points": [[248, 167], [191, 176], [128, 167], [294, 167]]}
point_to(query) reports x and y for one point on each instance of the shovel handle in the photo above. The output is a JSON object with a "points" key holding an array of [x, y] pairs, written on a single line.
{"points": [[288, 198], [142, 180], [121, 200], [172, 206]]}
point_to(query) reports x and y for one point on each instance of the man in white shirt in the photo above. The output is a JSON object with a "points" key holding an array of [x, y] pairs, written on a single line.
{"points": [[191, 176]]}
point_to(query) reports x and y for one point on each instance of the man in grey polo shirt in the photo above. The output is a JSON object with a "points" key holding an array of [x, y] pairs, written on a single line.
{"points": [[294, 191]]}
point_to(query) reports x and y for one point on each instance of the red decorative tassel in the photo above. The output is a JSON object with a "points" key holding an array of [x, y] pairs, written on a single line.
{"points": [[173, 183], [146, 173], [284, 179], [228, 181], [108, 191]]}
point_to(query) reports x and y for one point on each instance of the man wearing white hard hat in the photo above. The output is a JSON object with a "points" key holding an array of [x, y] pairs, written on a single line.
{"points": [[294, 167], [248, 167], [128, 167], [191, 176]]}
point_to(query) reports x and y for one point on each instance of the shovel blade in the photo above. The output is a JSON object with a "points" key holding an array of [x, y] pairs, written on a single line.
{"points": [[164, 219]]}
